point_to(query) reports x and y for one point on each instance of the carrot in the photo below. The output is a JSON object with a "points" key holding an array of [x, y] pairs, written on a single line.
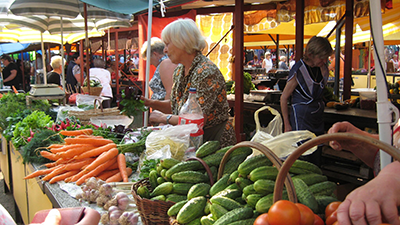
{"points": [[78, 165], [117, 177], [40, 173], [63, 176], [67, 147], [121, 161], [113, 167], [87, 131], [92, 141], [71, 153], [105, 156], [55, 146], [88, 136], [15, 90], [54, 173], [96, 171], [49, 165], [96, 151], [49, 155], [63, 161], [107, 173]]}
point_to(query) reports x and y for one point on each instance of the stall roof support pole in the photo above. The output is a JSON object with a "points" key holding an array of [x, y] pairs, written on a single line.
{"points": [[299, 29], [117, 63], [338, 28], [348, 49], [238, 49]]}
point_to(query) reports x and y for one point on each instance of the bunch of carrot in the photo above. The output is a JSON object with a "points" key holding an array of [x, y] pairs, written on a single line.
{"points": [[83, 156]]}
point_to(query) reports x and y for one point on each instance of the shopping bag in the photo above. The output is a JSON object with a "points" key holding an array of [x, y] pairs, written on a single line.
{"points": [[273, 129]]}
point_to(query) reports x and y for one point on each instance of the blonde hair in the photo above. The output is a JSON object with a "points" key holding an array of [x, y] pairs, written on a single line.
{"points": [[56, 61], [185, 35], [156, 45]]}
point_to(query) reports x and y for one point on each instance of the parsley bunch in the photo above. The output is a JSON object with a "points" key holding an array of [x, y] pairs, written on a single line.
{"points": [[131, 105]]}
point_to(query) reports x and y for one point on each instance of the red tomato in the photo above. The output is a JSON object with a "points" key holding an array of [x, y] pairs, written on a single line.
{"points": [[318, 220], [331, 208], [284, 212], [331, 218], [306, 214], [262, 219]]}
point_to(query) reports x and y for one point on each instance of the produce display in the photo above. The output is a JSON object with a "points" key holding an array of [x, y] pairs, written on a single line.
{"points": [[244, 192]]}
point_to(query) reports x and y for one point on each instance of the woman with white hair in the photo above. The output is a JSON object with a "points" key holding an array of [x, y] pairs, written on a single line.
{"points": [[267, 62], [54, 76], [184, 44], [161, 83]]}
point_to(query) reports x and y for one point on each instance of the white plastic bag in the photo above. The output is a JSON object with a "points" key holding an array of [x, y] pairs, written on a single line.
{"points": [[282, 144], [171, 142]]}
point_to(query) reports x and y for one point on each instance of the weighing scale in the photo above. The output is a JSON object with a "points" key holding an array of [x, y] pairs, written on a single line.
{"points": [[46, 90]]}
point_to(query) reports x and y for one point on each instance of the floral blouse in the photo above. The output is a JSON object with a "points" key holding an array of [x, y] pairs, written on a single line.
{"points": [[156, 84], [209, 82]]}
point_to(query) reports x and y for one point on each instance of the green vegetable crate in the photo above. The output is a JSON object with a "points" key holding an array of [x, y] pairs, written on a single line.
{"points": [[154, 212]]}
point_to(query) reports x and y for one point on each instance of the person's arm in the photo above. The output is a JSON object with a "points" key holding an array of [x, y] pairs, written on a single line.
{"points": [[160, 105], [287, 92], [77, 73], [364, 152], [166, 74], [375, 202], [13, 74]]}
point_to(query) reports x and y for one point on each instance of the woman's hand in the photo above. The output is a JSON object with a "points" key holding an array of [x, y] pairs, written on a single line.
{"points": [[147, 102], [375, 202], [157, 117]]}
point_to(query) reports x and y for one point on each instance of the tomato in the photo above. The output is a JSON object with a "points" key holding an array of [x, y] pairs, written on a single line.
{"points": [[318, 220], [331, 218], [306, 214], [331, 208], [284, 212], [262, 219]]}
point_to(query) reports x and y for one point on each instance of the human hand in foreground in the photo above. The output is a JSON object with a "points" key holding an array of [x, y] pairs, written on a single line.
{"points": [[53, 218], [375, 202], [157, 117]]}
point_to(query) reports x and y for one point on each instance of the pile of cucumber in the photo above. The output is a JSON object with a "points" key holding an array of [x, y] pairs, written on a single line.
{"points": [[240, 195]]}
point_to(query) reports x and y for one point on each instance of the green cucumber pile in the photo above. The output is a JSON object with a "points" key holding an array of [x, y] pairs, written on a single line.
{"points": [[244, 192]]}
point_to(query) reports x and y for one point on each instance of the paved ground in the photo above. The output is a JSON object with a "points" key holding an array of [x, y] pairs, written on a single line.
{"points": [[6, 199]]}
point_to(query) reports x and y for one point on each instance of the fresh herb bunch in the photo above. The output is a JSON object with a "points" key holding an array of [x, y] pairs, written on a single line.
{"points": [[138, 147], [12, 121], [33, 122], [130, 103], [43, 138], [147, 166]]}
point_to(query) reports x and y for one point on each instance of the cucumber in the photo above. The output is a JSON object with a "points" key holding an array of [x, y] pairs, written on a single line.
{"points": [[307, 166], [312, 178], [207, 220], [235, 215], [195, 221], [159, 198], [153, 179], [264, 203], [324, 188], [233, 163], [173, 210], [181, 188], [243, 182], [220, 185], [304, 195], [253, 199], [162, 189], [207, 148], [193, 209], [201, 189], [264, 186], [244, 222], [169, 162], [324, 201], [233, 176], [193, 177], [249, 189], [263, 172], [160, 180], [143, 192], [217, 211], [214, 159], [225, 202], [175, 198], [229, 193], [184, 166], [250, 164]]}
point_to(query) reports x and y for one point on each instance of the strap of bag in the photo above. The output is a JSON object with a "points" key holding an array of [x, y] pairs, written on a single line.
{"points": [[272, 110]]}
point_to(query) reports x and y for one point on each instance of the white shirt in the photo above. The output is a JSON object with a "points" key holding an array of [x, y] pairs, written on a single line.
{"points": [[267, 64], [136, 61], [105, 77]]}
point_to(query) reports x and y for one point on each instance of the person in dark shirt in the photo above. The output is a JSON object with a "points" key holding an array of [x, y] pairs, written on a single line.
{"points": [[10, 72], [54, 76]]}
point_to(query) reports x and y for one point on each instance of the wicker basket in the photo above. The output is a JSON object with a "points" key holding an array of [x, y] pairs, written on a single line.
{"points": [[93, 90], [284, 170], [84, 116], [154, 212]]}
